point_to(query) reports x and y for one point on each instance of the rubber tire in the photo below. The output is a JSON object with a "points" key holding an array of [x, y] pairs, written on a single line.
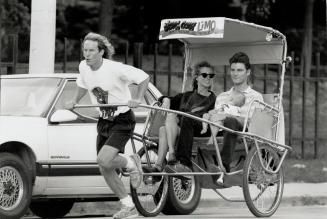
{"points": [[256, 212], [173, 206], [51, 208], [14, 161], [134, 195]]}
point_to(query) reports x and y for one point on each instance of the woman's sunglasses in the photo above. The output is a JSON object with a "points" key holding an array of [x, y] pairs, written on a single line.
{"points": [[204, 75]]}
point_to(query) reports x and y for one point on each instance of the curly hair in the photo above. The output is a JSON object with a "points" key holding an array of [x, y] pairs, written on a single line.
{"points": [[197, 72], [103, 44]]}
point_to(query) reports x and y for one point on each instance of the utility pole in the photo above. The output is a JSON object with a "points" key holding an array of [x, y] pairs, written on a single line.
{"points": [[43, 37], [1, 30]]}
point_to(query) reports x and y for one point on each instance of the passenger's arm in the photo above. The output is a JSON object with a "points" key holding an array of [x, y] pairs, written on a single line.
{"points": [[165, 103], [171, 102]]}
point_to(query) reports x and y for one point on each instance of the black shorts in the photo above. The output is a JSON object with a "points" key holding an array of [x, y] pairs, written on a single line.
{"points": [[116, 133]]}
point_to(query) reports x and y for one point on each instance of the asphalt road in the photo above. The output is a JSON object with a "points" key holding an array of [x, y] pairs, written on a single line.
{"points": [[237, 211]]}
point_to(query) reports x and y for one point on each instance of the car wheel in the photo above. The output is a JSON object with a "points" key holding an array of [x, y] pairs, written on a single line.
{"points": [[51, 208], [15, 186], [183, 196]]}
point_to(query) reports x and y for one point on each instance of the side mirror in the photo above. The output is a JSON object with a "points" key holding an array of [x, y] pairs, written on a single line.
{"points": [[63, 115]]}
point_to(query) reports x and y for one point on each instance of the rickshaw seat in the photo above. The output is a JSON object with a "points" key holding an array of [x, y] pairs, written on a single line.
{"points": [[262, 123], [264, 120], [270, 99]]}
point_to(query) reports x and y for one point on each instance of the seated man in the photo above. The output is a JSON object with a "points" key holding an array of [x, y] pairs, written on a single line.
{"points": [[239, 71]]}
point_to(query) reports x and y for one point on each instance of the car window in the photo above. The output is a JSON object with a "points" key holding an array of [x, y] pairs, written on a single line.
{"points": [[67, 95], [27, 96]]}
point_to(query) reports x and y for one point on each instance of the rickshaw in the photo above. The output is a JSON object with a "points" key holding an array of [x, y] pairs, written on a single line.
{"points": [[260, 143]]}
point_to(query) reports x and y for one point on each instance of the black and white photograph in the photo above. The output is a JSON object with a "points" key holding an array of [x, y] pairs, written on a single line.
{"points": [[163, 109]]}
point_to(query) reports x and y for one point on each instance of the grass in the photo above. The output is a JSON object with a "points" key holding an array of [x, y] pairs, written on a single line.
{"points": [[308, 170], [309, 201]]}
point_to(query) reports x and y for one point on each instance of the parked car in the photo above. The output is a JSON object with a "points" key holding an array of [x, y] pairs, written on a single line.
{"points": [[47, 153]]}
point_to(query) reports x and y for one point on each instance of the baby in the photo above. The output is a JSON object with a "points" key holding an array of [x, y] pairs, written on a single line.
{"points": [[228, 105]]}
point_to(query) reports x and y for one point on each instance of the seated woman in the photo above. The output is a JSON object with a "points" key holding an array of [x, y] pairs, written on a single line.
{"points": [[196, 102]]}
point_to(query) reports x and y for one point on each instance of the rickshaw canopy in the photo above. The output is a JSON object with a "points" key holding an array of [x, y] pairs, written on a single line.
{"points": [[216, 39]]}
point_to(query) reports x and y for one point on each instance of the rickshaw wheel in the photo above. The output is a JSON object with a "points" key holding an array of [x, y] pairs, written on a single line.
{"points": [[151, 196], [262, 191], [183, 196]]}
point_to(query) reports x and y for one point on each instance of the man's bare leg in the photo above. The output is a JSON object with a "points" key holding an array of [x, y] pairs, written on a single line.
{"points": [[109, 160]]}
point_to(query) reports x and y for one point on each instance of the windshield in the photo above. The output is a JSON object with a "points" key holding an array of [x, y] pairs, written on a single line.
{"points": [[27, 96]]}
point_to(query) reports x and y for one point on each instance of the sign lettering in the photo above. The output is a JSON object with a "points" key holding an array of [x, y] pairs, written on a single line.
{"points": [[177, 25], [184, 28]]}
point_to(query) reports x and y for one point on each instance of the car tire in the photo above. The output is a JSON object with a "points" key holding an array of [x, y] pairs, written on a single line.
{"points": [[15, 186], [181, 201], [51, 208]]}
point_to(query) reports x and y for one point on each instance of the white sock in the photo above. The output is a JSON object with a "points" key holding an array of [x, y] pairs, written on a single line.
{"points": [[127, 201], [221, 178], [130, 164]]}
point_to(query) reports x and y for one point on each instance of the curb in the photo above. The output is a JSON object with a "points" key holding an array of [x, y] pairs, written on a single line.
{"points": [[295, 194], [289, 201]]}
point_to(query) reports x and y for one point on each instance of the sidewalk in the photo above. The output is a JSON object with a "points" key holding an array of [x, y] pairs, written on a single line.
{"points": [[294, 193]]}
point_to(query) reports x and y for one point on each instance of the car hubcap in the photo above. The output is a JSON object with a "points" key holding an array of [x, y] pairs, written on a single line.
{"points": [[184, 189], [11, 188]]}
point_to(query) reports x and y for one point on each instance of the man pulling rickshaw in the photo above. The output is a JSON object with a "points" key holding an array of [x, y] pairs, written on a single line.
{"points": [[258, 128]]}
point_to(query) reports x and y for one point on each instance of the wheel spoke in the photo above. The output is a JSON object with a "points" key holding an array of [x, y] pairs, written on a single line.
{"points": [[11, 188], [183, 189], [151, 195], [262, 190]]}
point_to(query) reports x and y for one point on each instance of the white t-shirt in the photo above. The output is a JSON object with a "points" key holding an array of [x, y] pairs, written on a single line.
{"points": [[112, 77]]}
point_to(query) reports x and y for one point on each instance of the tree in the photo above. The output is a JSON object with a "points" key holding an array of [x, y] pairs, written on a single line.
{"points": [[257, 11], [106, 15], [306, 53], [14, 18], [2, 11], [1, 31]]}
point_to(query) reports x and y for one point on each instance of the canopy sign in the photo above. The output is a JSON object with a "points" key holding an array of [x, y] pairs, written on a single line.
{"points": [[192, 27]]}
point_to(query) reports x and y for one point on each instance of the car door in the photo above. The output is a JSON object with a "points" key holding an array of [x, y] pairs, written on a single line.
{"points": [[72, 155]]}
